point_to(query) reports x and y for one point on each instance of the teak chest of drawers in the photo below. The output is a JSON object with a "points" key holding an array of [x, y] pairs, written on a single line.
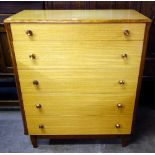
{"points": [[78, 72]]}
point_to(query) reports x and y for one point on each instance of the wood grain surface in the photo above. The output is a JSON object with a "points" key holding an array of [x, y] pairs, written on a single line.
{"points": [[108, 31]]}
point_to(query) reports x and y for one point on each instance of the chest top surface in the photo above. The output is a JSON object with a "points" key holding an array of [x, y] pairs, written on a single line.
{"points": [[77, 16]]}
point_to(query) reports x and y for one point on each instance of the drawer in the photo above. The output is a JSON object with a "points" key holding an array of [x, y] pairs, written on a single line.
{"points": [[78, 31], [78, 104], [78, 81], [78, 125], [79, 54]]}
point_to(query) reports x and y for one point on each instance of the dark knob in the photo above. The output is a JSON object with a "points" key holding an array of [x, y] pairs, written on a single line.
{"points": [[35, 82], [124, 56], [126, 32], [41, 126], [117, 125], [38, 106], [121, 82], [119, 105], [29, 33], [32, 56]]}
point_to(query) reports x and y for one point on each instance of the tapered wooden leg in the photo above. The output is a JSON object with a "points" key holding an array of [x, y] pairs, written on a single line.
{"points": [[34, 141], [125, 140], [50, 141]]}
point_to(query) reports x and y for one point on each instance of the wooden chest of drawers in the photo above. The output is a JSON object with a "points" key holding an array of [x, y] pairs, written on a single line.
{"points": [[78, 72]]}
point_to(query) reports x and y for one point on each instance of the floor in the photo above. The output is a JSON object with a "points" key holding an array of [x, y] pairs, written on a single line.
{"points": [[12, 138]]}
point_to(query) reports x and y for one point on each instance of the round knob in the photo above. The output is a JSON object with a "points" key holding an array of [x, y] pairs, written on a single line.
{"points": [[124, 56], [126, 32], [117, 125], [119, 105], [29, 33], [32, 56], [35, 82], [38, 106], [121, 82], [41, 126]]}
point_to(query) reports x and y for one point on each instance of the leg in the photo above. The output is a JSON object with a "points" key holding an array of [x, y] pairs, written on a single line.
{"points": [[50, 141], [34, 141], [125, 140]]}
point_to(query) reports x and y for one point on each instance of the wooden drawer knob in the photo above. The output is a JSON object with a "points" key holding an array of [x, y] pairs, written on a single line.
{"points": [[119, 105], [35, 82], [126, 32], [29, 33], [124, 56], [38, 106], [117, 125], [32, 56], [121, 82], [41, 126]]}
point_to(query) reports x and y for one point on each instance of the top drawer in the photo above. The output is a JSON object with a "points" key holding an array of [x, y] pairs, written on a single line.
{"points": [[125, 31]]}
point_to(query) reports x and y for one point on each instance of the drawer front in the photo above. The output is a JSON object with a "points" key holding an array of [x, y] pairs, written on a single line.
{"points": [[79, 125], [71, 54], [78, 104], [78, 81], [78, 31]]}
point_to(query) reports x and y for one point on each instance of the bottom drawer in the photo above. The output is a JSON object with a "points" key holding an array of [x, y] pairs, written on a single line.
{"points": [[79, 125]]}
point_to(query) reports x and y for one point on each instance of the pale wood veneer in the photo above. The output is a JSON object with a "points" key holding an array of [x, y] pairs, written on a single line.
{"points": [[78, 66]]}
